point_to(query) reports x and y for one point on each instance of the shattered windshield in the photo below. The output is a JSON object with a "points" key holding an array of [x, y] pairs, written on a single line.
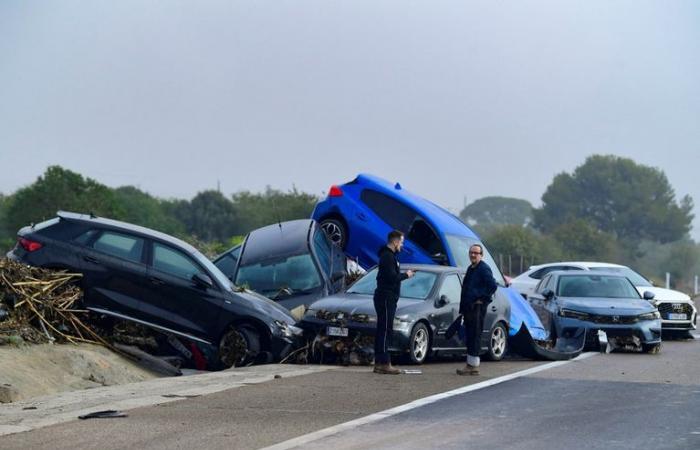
{"points": [[596, 286], [418, 287], [280, 277]]}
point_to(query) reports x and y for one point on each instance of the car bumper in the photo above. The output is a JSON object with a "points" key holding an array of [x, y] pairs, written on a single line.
{"points": [[648, 331], [315, 327]]}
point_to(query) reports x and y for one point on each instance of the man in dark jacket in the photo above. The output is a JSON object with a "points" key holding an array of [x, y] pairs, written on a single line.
{"points": [[389, 278], [477, 289]]}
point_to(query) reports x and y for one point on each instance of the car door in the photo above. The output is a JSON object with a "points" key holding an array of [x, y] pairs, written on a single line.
{"points": [[331, 262], [539, 304], [446, 310], [176, 301], [114, 272]]}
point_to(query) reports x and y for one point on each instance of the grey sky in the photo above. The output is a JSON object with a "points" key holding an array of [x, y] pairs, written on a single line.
{"points": [[452, 98]]}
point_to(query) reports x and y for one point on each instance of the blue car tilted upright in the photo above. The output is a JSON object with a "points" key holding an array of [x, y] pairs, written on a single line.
{"points": [[358, 216]]}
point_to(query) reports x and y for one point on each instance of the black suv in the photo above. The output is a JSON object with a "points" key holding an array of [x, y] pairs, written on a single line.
{"points": [[141, 275]]}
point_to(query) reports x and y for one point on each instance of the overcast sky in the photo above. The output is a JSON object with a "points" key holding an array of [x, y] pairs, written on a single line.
{"points": [[452, 98]]}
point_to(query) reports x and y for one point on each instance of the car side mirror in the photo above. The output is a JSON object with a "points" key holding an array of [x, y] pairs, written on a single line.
{"points": [[202, 280], [548, 294], [442, 301], [648, 295]]}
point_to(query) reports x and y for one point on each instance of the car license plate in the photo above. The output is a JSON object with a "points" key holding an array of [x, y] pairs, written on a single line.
{"points": [[673, 316], [337, 331]]}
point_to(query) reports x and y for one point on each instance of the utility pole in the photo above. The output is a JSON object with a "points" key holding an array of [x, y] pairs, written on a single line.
{"points": [[668, 280]]}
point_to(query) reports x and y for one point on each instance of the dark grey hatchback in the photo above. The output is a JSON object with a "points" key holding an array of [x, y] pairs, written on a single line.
{"points": [[141, 275]]}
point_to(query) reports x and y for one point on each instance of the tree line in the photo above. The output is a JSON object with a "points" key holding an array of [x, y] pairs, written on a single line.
{"points": [[608, 209], [211, 220]]}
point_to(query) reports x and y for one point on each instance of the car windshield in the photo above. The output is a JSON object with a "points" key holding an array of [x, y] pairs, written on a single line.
{"points": [[418, 287], [459, 247], [280, 277], [633, 276], [599, 286]]}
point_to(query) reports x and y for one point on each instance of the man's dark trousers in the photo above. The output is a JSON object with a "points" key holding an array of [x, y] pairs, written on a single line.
{"points": [[385, 306], [473, 324]]}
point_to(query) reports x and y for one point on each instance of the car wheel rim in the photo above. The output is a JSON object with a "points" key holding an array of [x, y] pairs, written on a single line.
{"points": [[333, 231], [233, 349], [420, 344], [498, 341]]}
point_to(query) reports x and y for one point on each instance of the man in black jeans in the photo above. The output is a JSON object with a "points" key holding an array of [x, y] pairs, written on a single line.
{"points": [[477, 289], [389, 278]]}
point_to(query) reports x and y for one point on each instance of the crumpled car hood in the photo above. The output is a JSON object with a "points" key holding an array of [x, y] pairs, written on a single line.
{"points": [[264, 306]]}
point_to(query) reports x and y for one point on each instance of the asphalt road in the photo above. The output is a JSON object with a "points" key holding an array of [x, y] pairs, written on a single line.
{"points": [[617, 401], [605, 401]]}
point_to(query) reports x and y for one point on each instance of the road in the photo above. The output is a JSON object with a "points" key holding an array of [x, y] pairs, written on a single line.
{"points": [[603, 401]]}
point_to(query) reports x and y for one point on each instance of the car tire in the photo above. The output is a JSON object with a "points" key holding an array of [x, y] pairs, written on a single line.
{"points": [[418, 344], [336, 231], [652, 349], [239, 346], [498, 342]]}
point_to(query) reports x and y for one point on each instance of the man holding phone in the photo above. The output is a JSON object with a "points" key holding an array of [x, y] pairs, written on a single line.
{"points": [[386, 296]]}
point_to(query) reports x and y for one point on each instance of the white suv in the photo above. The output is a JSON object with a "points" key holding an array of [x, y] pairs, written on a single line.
{"points": [[678, 313]]}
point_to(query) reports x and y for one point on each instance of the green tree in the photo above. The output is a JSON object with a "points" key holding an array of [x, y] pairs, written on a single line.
{"points": [[518, 241], [60, 189], [489, 212], [579, 240], [259, 209], [140, 208], [617, 196], [210, 216], [6, 235]]}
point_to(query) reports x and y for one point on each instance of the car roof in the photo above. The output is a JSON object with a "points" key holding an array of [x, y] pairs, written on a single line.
{"points": [[434, 268], [117, 224], [279, 239], [586, 274], [445, 220], [575, 263]]}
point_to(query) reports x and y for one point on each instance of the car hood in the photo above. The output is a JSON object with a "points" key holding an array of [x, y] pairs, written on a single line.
{"points": [[604, 306], [263, 305], [356, 304], [664, 294]]}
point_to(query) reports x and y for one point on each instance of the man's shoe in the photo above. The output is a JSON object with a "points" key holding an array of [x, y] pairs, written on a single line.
{"points": [[468, 370], [386, 369]]}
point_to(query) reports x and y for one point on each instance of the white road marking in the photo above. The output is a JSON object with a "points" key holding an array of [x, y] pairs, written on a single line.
{"points": [[316, 435]]}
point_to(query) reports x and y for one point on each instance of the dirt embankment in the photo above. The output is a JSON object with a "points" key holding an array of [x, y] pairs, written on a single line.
{"points": [[28, 371]]}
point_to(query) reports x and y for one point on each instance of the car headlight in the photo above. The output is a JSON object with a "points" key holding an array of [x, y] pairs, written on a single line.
{"points": [[402, 323], [288, 330], [650, 316], [570, 313]]}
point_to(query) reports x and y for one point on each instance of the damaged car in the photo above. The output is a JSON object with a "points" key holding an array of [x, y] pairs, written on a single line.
{"points": [[292, 263], [606, 305], [137, 274], [428, 305]]}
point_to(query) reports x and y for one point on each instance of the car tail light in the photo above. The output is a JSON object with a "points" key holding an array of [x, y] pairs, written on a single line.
{"points": [[29, 245], [335, 191]]}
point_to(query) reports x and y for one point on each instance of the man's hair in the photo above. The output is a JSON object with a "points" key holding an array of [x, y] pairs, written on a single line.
{"points": [[481, 249], [394, 235]]}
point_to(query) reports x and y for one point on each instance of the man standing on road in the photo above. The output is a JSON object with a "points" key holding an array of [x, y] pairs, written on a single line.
{"points": [[477, 289], [389, 278]]}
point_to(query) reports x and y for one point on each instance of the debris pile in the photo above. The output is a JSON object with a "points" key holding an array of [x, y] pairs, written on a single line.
{"points": [[41, 305]]}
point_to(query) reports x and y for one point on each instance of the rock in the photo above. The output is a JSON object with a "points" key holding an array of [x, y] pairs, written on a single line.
{"points": [[8, 393]]}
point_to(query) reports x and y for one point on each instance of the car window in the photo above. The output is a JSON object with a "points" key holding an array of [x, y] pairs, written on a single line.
{"points": [[451, 288], [418, 287], [394, 213], [633, 276], [120, 245], [174, 262], [323, 250], [538, 274], [280, 277], [596, 286], [85, 237], [423, 236], [227, 262]]}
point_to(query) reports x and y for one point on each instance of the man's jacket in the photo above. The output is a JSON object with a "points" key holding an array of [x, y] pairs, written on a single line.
{"points": [[478, 284], [389, 276]]}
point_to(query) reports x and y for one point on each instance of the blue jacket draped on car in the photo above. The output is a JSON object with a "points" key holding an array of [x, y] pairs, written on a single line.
{"points": [[478, 284]]}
